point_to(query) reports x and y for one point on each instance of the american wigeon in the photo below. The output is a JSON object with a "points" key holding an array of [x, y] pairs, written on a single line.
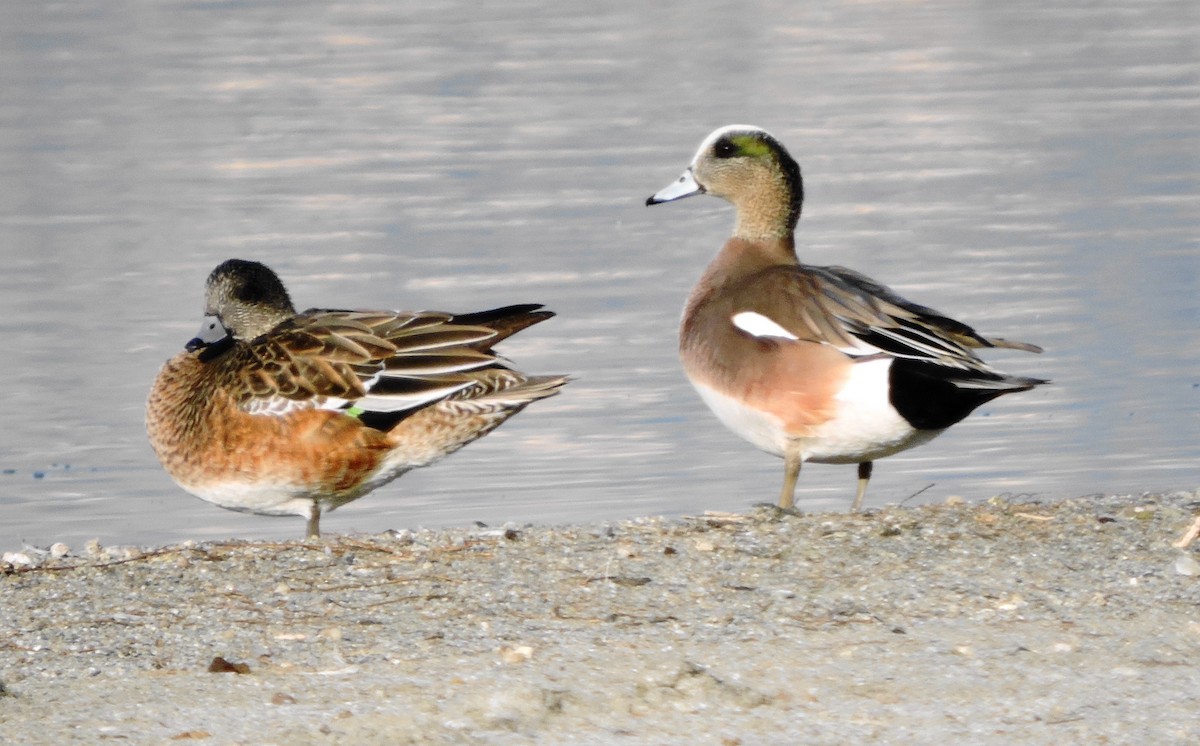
{"points": [[815, 363], [281, 413]]}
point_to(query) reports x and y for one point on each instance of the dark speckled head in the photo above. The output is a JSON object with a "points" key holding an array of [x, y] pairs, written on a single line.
{"points": [[246, 298]]}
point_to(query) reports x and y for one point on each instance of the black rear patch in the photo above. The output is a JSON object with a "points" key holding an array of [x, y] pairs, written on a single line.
{"points": [[927, 396]]}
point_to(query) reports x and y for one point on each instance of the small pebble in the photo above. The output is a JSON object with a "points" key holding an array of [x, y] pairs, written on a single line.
{"points": [[122, 553], [1144, 512], [220, 665], [515, 653], [59, 550], [1185, 564], [402, 536], [1013, 602], [18, 559]]}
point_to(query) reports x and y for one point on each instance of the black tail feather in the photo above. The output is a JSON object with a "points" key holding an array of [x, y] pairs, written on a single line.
{"points": [[506, 321], [932, 397]]}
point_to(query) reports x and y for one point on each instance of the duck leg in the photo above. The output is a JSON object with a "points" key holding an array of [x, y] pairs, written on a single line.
{"points": [[864, 476], [314, 523], [791, 472]]}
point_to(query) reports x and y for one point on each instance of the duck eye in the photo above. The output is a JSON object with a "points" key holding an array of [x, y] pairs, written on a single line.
{"points": [[724, 149]]}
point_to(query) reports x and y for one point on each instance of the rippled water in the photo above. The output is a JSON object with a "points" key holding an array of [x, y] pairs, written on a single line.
{"points": [[1032, 168]]}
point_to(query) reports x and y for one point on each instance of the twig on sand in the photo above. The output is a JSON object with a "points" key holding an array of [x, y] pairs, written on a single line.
{"points": [[1034, 516], [1189, 536], [931, 484]]}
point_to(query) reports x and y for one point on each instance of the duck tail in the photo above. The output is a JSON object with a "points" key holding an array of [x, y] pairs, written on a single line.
{"points": [[505, 321], [1012, 345]]}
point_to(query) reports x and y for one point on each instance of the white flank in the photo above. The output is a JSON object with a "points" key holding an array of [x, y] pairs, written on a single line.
{"points": [[865, 427], [764, 431]]}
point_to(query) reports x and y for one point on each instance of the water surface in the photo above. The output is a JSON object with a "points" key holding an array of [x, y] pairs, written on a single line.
{"points": [[1031, 168]]}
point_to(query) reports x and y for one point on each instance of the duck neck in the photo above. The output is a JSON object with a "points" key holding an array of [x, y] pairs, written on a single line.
{"points": [[741, 258], [750, 256], [772, 212]]}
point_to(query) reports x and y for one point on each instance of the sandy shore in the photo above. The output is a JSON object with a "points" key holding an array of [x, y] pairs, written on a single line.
{"points": [[1071, 622]]}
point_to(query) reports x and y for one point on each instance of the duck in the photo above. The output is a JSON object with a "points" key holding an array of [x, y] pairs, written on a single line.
{"points": [[276, 412], [811, 363]]}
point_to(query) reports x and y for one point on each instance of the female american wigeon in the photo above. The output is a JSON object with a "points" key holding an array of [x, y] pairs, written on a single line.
{"points": [[281, 413], [815, 363]]}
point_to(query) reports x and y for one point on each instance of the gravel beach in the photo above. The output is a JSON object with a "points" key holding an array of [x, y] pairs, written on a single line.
{"points": [[1001, 622]]}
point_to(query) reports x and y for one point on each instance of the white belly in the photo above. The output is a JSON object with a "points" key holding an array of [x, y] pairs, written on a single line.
{"points": [[864, 427], [266, 497]]}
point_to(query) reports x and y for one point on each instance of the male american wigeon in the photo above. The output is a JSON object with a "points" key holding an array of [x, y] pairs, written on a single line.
{"points": [[281, 413], [815, 363]]}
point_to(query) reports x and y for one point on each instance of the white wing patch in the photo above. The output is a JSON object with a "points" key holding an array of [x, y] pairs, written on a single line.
{"points": [[757, 325], [401, 402], [860, 348]]}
